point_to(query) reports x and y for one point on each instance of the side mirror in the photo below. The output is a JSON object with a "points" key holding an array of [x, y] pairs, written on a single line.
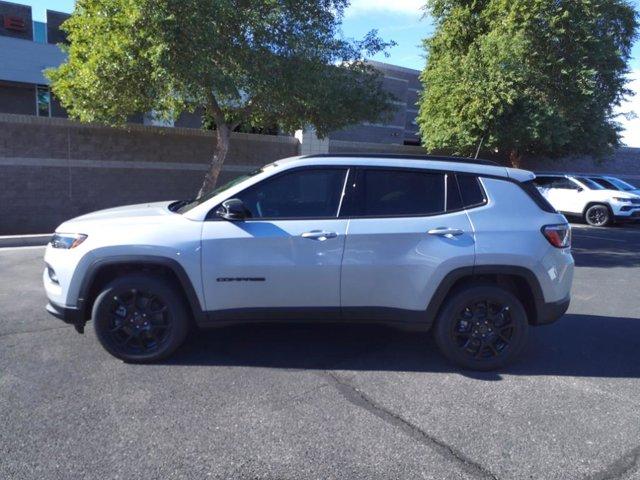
{"points": [[232, 209], [580, 189]]}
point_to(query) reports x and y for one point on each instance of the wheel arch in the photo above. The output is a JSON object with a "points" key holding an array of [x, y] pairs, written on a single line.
{"points": [[521, 281], [101, 271]]}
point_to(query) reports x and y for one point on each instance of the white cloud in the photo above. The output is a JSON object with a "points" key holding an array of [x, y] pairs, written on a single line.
{"points": [[412, 7], [631, 133]]}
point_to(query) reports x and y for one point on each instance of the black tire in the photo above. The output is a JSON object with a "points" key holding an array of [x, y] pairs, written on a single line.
{"points": [[598, 215], [478, 341], [139, 318]]}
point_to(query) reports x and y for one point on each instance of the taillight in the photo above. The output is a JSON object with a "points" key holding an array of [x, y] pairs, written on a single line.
{"points": [[558, 235]]}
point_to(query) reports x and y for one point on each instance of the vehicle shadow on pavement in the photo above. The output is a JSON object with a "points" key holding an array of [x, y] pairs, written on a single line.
{"points": [[611, 256], [577, 345]]}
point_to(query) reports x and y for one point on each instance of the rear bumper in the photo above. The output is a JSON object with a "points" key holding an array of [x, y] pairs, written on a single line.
{"points": [[552, 311]]}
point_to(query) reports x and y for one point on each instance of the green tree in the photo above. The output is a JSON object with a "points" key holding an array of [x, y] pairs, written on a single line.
{"points": [[525, 76], [245, 62]]}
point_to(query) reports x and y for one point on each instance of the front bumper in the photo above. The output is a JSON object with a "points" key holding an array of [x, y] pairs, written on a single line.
{"points": [[72, 316], [551, 311], [633, 216], [626, 211]]}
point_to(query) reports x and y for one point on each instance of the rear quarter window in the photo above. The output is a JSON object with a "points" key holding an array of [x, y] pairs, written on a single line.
{"points": [[464, 191], [532, 191]]}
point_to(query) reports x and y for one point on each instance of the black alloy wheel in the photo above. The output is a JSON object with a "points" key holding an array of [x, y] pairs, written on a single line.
{"points": [[482, 327], [598, 216], [139, 322], [140, 318]]}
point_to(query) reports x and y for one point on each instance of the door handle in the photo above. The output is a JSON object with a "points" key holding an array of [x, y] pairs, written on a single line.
{"points": [[445, 232], [320, 235]]}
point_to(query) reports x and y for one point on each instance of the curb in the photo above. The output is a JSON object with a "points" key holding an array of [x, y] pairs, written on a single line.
{"points": [[24, 240]]}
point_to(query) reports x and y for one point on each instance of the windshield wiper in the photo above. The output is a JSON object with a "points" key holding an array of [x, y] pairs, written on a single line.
{"points": [[175, 206]]}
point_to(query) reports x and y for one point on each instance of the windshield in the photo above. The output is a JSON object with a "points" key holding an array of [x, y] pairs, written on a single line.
{"points": [[184, 206], [590, 184], [621, 184]]}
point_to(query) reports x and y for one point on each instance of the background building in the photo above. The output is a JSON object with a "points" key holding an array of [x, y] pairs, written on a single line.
{"points": [[27, 48], [401, 129]]}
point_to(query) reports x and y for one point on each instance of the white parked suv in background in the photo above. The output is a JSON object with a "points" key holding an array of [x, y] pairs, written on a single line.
{"points": [[578, 195], [470, 248]]}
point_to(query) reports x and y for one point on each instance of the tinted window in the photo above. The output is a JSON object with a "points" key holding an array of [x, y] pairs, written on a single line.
{"points": [[605, 183], [396, 193], [621, 184], [590, 183], [544, 182], [300, 194], [563, 183], [470, 189]]}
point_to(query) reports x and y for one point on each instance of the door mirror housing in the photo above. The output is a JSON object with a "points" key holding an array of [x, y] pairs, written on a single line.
{"points": [[232, 209]]}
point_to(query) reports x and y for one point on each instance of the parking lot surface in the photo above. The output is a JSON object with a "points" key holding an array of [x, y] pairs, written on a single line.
{"points": [[297, 402]]}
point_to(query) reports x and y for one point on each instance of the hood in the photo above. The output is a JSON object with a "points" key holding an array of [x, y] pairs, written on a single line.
{"points": [[143, 213], [615, 193]]}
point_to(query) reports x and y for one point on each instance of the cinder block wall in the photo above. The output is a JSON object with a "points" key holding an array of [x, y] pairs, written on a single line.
{"points": [[55, 169], [625, 163]]}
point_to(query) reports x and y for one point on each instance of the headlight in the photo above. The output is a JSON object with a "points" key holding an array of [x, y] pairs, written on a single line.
{"points": [[67, 240], [623, 199]]}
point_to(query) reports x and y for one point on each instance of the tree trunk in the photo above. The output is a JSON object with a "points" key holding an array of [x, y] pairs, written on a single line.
{"points": [[515, 158], [223, 138]]}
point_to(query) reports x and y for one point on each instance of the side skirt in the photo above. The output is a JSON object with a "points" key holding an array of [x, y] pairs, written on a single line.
{"points": [[409, 319]]}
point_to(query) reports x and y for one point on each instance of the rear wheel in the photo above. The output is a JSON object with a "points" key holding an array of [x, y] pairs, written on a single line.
{"points": [[482, 327], [598, 215], [140, 318]]}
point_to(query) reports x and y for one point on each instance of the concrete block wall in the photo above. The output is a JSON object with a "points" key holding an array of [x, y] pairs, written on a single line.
{"points": [[624, 163], [54, 169]]}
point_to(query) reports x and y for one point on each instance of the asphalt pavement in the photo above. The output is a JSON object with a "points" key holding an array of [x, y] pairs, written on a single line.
{"points": [[322, 402]]}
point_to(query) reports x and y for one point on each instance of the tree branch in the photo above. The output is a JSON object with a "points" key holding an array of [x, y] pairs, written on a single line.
{"points": [[243, 114], [214, 107]]}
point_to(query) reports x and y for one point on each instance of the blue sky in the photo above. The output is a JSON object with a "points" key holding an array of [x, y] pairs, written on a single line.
{"points": [[401, 21]]}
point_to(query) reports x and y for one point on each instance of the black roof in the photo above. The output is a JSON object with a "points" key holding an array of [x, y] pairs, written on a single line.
{"points": [[439, 158]]}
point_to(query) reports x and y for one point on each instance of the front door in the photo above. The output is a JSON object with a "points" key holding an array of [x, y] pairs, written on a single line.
{"points": [[287, 256], [404, 236]]}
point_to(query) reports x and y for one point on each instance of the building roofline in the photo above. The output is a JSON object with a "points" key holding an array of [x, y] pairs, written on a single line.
{"points": [[391, 66]]}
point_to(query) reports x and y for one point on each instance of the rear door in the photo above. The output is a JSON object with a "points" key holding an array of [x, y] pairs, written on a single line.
{"points": [[407, 230]]}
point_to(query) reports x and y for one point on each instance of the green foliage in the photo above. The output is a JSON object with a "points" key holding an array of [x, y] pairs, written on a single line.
{"points": [[249, 62], [526, 76]]}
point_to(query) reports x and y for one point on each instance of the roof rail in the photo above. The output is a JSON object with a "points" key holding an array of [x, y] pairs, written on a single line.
{"points": [[439, 158]]}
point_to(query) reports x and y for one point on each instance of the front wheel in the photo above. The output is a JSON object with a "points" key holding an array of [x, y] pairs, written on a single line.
{"points": [[481, 327], [140, 318], [598, 215]]}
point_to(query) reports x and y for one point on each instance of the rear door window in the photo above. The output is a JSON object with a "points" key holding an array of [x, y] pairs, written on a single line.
{"points": [[394, 193]]}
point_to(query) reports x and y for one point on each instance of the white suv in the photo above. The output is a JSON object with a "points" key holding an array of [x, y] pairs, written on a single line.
{"points": [[469, 248], [578, 195]]}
